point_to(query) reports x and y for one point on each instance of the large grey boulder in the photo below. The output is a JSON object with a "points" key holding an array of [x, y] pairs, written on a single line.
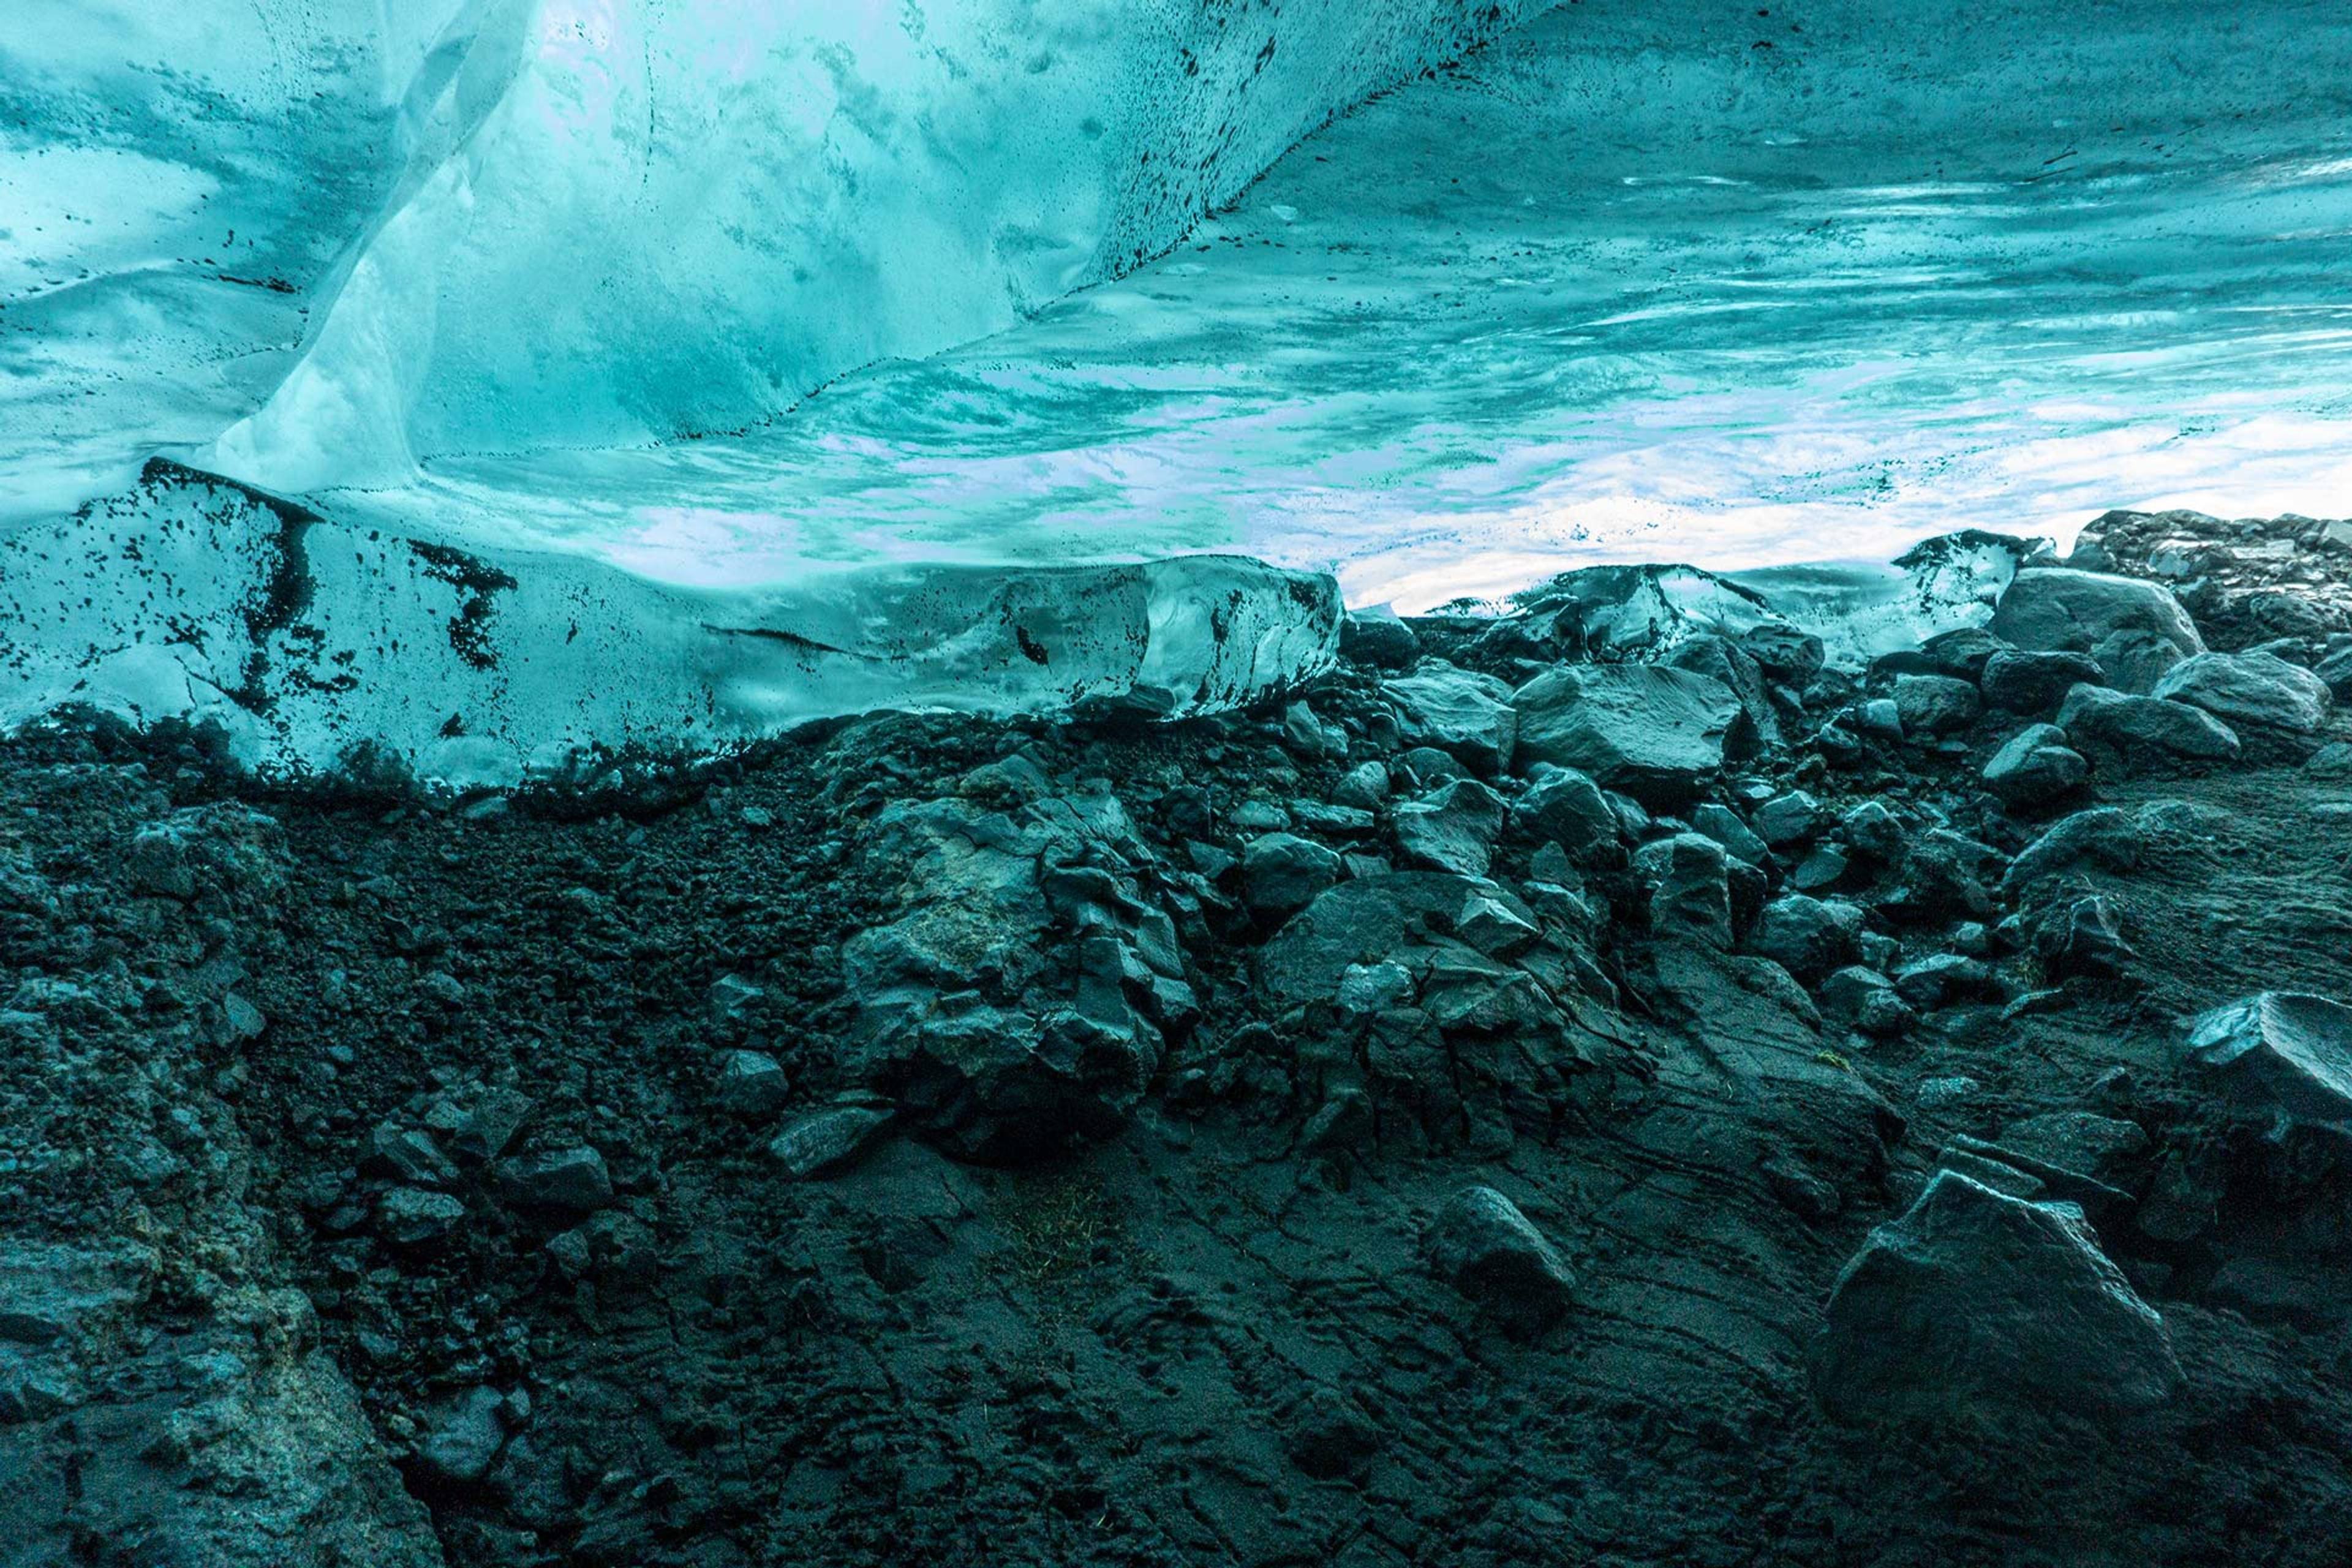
{"points": [[1806, 936], [1690, 889], [2135, 629], [1453, 829], [2035, 767], [2035, 682], [2141, 733], [2281, 1053], [1565, 807], [1976, 1300], [1480, 1243], [2257, 688], [1466, 715], [1930, 705], [1652, 733]]}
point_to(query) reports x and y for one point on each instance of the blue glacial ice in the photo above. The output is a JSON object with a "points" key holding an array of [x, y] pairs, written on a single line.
{"points": [[788, 307]]}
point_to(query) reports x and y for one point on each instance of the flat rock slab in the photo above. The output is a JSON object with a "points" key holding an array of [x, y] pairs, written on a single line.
{"points": [[1654, 733], [2282, 1051], [1975, 1297]]}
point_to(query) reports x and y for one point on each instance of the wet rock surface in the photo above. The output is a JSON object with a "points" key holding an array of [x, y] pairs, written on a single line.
{"points": [[1599, 1086]]}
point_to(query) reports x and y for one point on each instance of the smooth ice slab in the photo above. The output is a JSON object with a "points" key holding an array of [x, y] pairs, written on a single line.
{"points": [[191, 596]]}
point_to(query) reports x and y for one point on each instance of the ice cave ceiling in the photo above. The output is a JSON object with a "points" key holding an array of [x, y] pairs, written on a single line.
{"points": [[1437, 295]]}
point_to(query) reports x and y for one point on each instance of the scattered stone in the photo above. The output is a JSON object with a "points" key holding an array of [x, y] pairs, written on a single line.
{"points": [[465, 1437], [1565, 807], [1880, 718], [2035, 682], [1655, 734], [2082, 936], [1928, 705], [1363, 788], [1282, 872], [2334, 672], [2035, 767], [2283, 1053], [1722, 823], [1974, 1298], [2144, 732], [1788, 821], [2104, 834], [1823, 869], [824, 1140], [2250, 689], [411, 1217], [1469, 717], [1865, 1000], [2098, 1146], [1942, 1093], [2135, 629], [1374, 987], [573, 1179], [1932, 981], [752, 1084], [1481, 1244], [1807, 936], [1690, 893], [1453, 830]]}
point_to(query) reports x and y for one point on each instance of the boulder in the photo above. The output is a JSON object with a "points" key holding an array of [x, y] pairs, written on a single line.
{"points": [[1865, 1000], [1788, 821], [2281, 1053], [1282, 872], [1467, 716], [1690, 889], [2334, 672], [1481, 1244], [2135, 629], [2260, 689], [464, 1437], [2144, 732], [1806, 936], [1453, 829], [821, 1140], [1931, 705], [2102, 834], [1974, 1301], [752, 1084], [2035, 767], [2020, 682], [1655, 734], [1722, 823], [573, 1179], [1565, 807]]}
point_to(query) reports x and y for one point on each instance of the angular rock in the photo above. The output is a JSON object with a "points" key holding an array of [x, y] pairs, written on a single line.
{"points": [[1788, 821], [2035, 767], [1481, 1244], [1469, 717], [824, 1140], [2144, 732], [1975, 1299], [1453, 830], [2097, 1146], [2260, 689], [1563, 806], [1931, 705], [1690, 894], [464, 1437], [2020, 682], [752, 1084], [1654, 734], [2081, 936], [2281, 1053], [1282, 872], [2102, 834], [411, 1217], [2334, 672], [2135, 629], [573, 1179], [1806, 936], [1866, 1001]]}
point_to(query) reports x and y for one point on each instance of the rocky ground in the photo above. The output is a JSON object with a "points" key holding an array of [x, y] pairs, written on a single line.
{"points": [[1495, 1106]]}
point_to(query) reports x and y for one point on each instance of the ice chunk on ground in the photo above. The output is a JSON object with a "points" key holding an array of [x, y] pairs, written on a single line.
{"points": [[192, 595]]}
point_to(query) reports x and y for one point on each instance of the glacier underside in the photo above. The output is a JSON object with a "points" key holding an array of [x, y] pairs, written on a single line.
{"points": [[777, 303]]}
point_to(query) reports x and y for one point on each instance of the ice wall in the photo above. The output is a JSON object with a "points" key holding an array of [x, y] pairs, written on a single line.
{"points": [[680, 218]]}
